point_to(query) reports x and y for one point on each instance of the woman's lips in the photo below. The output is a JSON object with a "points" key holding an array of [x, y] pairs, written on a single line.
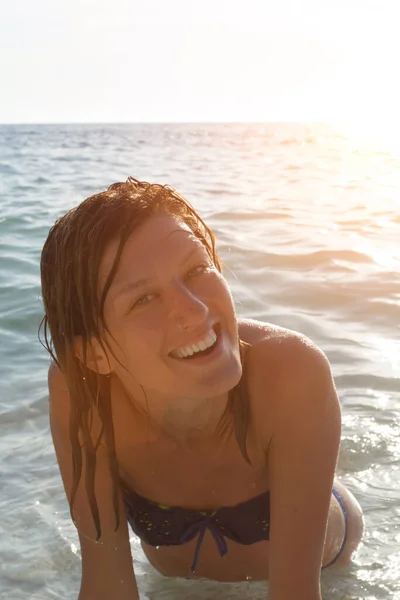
{"points": [[195, 341], [199, 358]]}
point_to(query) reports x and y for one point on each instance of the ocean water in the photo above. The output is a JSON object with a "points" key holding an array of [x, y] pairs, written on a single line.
{"points": [[309, 223]]}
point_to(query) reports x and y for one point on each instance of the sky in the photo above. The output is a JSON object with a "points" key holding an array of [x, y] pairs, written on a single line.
{"points": [[200, 61]]}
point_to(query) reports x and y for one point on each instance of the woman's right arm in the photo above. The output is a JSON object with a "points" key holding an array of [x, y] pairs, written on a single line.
{"points": [[107, 568]]}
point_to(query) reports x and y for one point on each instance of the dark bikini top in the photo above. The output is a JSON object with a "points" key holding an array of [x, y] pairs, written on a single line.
{"points": [[158, 525]]}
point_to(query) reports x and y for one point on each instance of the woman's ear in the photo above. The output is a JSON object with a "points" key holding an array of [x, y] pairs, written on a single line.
{"points": [[96, 359]]}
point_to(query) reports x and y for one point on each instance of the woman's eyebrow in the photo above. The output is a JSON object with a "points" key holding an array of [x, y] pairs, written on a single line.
{"points": [[138, 283]]}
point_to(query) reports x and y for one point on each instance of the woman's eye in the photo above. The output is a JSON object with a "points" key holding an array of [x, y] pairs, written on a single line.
{"points": [[199, 269], [142, 300]]}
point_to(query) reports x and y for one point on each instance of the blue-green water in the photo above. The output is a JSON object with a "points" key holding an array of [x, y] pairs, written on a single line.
{"points": [[310, 224]]}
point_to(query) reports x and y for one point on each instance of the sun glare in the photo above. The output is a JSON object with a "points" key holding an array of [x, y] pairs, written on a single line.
{"points": [[376, 134]]}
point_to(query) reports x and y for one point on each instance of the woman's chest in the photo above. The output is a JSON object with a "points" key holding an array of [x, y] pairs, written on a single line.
{"points": [[203, 475], [177, 475]]}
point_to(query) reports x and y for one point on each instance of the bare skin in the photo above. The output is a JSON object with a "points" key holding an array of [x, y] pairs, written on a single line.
{"points": [[165, 442], [204, 474]]}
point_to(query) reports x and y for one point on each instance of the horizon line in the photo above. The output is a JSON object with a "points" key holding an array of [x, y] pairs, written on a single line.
{"points": [[238, 122]]}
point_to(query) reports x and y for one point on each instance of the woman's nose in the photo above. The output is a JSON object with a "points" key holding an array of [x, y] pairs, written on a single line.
{"points": [[188, 310]]}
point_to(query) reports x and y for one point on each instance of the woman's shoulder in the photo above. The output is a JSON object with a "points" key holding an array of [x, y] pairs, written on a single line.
{"points": [[264, 336], [280, 362]]}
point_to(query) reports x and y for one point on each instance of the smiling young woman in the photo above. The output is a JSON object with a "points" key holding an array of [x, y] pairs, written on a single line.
{"points": [[215, 438]]}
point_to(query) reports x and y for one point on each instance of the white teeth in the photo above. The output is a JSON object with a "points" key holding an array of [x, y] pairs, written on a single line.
{"points": [[207, 342]]}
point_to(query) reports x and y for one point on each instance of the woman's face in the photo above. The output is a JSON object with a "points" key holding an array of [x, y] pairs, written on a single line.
{"points": [[166, 278]]}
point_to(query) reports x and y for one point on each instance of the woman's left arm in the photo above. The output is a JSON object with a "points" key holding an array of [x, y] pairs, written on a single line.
{"points": [[302, 455]]}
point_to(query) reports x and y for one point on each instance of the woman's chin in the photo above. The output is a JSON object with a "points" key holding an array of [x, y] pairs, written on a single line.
{"points": [[224, 379]]}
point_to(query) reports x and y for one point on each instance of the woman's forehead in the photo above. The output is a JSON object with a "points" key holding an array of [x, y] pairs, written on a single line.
{"points": [[159, 239]]}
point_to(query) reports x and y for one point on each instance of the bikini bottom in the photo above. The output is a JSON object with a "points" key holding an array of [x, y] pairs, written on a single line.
{"points": [[346, 524]]}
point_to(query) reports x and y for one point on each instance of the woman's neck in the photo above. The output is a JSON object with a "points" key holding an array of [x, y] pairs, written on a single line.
{"points": [[191, 420], [183, 419]]}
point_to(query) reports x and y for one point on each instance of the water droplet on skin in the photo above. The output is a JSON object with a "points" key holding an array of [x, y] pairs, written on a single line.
{"points": [[248, 578], [254, 485], [157, 547]]}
